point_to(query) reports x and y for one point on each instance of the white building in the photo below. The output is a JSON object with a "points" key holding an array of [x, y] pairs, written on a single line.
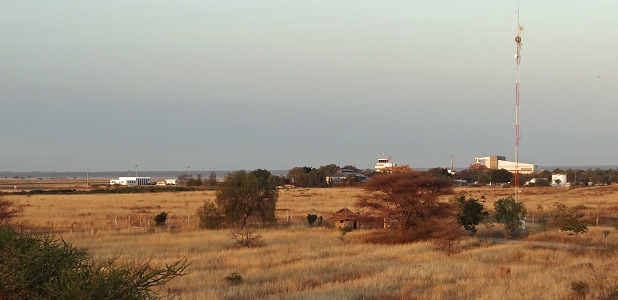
{"points": [[130, 181], [559, 180], [170, 181], [497, 162]]}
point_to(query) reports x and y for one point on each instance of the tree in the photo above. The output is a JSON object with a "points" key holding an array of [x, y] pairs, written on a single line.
{"points": [[210, 216], [212, 179], [440, 172], [500, 176], [568, 219], [411, 198], [510, 213], [194, 181], [299, 175], [160, 219], [471, 213], [8, 210], [244, 195], [483, 179]]}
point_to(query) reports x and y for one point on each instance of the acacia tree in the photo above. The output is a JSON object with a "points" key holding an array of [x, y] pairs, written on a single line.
{"points": [[410, 198], [568, 219], [244, 195]]}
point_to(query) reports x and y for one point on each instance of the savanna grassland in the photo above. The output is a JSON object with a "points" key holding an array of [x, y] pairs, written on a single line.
{"points": [[299, 262]]}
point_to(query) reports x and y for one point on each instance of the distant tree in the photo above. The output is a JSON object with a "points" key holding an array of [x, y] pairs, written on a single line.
{"points": [[544, 174], [351, 180], [212, 179], [471, 213], [510, 213], [483, 179], [500, 176], [478, 168], [440, 172], [317, 178], [194, 181], [329, 169], [541, 182], [411, 198], [274, 180], [188, 180], [568, 219], [160, 219], [182, 179], [299, 176], [399, 169], [244, 195], [353, 168]]}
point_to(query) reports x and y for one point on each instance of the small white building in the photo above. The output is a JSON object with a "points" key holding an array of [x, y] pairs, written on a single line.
{"points": [[131, 181], [559, 180], [170, 181]]}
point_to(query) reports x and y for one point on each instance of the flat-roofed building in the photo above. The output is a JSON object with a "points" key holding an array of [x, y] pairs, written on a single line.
{"points": [[497, 162], [130, 181]]}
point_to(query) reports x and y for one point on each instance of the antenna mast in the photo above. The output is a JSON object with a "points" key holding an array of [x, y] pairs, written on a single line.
{"points": [[517, 61]]}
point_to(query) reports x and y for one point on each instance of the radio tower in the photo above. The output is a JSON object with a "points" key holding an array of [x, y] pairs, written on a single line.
{"points": [[517, 61]]}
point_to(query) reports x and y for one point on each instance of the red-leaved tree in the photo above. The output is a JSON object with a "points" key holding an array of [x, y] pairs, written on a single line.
{"points": [[410, 202]]}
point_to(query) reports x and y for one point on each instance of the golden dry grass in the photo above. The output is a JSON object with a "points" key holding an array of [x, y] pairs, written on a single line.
{"points": [[298, 262]]}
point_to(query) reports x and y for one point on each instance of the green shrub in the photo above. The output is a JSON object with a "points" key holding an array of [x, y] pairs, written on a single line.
{"points": [[160, 219], [43, 267], [210, 217], [510, 213], [311, 219]]}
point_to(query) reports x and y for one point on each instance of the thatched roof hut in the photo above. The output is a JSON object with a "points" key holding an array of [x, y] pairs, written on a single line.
{"points": [[345, 218]]}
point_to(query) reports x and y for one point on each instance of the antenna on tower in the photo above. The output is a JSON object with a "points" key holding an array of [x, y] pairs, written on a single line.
{"points": [[517, 137]]}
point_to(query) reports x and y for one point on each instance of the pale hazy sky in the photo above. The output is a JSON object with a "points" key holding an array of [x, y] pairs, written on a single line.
{"points": [[106, 85]]}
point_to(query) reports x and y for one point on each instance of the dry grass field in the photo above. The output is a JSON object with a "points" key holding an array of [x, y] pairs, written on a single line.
{"points": [[298, 262]]}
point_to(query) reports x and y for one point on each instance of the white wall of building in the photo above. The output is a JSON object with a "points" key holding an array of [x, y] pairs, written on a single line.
{"points": [[131, 181]]}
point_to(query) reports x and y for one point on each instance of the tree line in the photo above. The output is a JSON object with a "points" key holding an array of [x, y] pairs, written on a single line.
{"points": [[480, 174], [475, 174]]}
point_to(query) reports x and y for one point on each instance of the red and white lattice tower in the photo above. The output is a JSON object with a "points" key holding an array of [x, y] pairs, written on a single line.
{"points": [[517, 137]]}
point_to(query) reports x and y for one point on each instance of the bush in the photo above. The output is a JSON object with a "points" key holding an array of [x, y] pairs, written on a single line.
{"points": [[210, 217], [472, 212], [234, 278], [568, 219], [42, 267], [311, 219], [160, 219]]}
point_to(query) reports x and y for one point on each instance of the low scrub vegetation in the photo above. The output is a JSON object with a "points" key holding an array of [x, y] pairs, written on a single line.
{"points": [[43, 267]]}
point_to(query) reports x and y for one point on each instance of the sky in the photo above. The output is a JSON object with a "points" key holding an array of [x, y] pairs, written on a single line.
{"points": [[227, 85]]}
